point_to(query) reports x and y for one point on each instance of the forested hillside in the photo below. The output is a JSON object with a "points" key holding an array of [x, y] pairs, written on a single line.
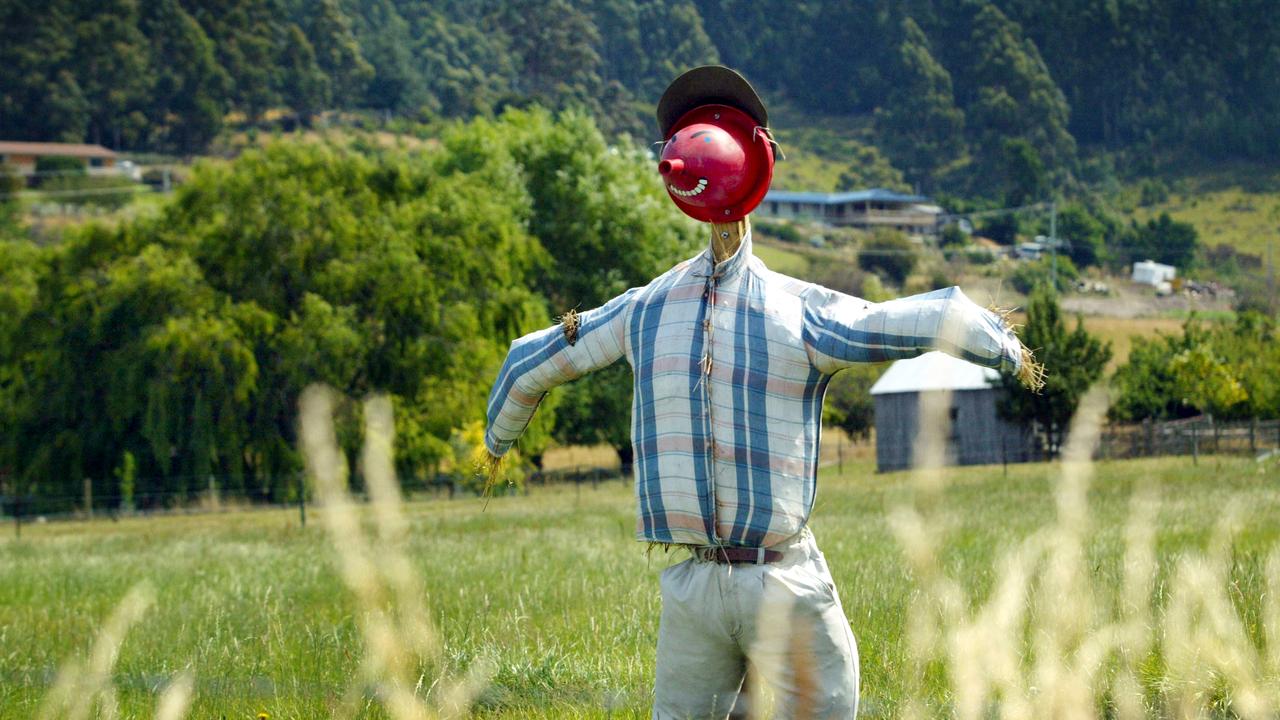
{"points": [[956, 89]]}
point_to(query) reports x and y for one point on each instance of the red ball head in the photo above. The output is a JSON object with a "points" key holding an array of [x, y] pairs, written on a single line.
{"points": [[717, 164]]}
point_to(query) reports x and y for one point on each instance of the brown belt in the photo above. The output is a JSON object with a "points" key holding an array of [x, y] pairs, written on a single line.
{"points": [[736, 555]]}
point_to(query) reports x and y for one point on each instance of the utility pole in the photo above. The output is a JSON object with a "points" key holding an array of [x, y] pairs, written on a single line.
{"points": [[1053, 244], [1271, 279]]}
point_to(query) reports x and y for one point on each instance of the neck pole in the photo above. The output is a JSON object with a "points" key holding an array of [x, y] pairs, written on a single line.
{"points": [[726, 237]]}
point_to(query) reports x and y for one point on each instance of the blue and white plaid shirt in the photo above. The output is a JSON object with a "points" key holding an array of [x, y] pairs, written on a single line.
{"points": [[731, 362]]}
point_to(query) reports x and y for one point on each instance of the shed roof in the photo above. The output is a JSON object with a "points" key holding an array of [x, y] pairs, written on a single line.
{"points": [[822, 198], [8, 147], [933, 371]]}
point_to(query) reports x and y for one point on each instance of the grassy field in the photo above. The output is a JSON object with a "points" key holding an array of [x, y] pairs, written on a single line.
{"points": [[551, 587], [1240, 208]]}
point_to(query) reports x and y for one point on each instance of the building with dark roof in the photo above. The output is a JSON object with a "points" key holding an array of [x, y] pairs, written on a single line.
{"points": [[867, 209]]}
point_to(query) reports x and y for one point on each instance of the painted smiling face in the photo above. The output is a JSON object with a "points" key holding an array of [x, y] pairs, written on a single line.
{"points": [[714, 165]]}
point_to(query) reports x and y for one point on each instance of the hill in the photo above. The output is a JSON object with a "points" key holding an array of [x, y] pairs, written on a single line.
{"points": [[961, 94]]}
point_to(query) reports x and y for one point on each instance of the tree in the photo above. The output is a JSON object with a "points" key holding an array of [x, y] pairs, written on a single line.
{"points": [[1011, 96], [1162, 239], [921, 124], [112, 70], [1084, 234], [1073, 362], [189, 95], [1145, 386], [597, 409], [1025, 180], [338, 53], [305, 88], [848, 404], [40, 98], [553, 43]]}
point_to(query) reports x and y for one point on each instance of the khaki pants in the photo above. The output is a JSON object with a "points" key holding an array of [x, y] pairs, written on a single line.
{"points": [[782, 618]]}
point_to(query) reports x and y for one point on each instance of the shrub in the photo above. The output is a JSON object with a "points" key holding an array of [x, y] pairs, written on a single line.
{"points": [[890, 254]]}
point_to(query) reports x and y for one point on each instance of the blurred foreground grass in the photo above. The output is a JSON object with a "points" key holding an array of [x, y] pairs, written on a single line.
{"points": [[553, 589]]}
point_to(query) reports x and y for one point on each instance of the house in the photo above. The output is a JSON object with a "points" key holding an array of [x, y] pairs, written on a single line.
{"points": [[976, 435], [867, 209], [21, 157]]}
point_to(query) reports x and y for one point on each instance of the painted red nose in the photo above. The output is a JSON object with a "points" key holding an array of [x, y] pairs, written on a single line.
{"points": [[675, 166]]}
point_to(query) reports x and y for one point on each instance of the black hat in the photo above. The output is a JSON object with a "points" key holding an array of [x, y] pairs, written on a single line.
{"points": [[708, 85]]}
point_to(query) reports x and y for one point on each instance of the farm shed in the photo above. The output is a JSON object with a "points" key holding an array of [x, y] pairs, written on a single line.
{"points": [[976, 434]]}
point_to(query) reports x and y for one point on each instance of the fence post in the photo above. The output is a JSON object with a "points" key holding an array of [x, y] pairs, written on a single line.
{"points": [[302, 500], [1253, 435], [1195, 444], [1151, 436], [88, 499]]}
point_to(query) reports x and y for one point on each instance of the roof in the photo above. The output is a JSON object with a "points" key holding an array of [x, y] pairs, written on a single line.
{"points": [[874, 194], [49, 148], [933, 371]]}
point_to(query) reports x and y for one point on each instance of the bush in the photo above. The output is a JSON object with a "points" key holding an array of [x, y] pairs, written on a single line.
{"points": [[783, 231], [890, 254], [1027, 276], [952, 236]]}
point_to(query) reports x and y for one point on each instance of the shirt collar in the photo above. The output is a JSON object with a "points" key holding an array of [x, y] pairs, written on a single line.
{"points": [[731, 265]]}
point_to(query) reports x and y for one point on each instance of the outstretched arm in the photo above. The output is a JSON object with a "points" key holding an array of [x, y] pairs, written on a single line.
{"points": [[544, 359], [841, 330]]}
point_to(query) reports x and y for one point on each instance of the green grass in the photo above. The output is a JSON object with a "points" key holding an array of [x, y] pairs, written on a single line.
{"points": [[552, 586], [1239, 207], [787, 261]]}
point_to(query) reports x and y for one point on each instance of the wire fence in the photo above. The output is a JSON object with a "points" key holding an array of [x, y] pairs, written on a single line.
{"points": [[222, 495], [1190, 436], [1187, 437]]}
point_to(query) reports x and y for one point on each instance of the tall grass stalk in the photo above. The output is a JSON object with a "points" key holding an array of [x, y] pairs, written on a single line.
{"points": [[1053, 641], [82, 686], [403, 663]]}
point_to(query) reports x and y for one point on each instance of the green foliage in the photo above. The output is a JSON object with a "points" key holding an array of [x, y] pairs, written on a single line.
{"points": [[184, 339], [1073, 361], [1227, 370], [848, 403], [1084, 234], [1025, 180], [947, 83], [922, 127], [890, 254], [597, 409], [1003, 228], [105, 191], [952, 236], [599, 210], [1012, 99], [1059, 273], [1162, 239]]}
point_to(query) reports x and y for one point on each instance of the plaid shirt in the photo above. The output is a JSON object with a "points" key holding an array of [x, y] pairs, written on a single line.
{"points": [[730, 363]]}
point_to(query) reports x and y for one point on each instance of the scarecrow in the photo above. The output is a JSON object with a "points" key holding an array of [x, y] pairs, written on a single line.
{"points": [[730, 364]]}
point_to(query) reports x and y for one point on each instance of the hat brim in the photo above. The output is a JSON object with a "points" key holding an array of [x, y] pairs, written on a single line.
{"points": [[708, 85]]}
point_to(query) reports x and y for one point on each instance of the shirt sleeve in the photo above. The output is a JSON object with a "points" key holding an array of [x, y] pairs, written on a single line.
{"points": [[545, 359], [841, 330]]}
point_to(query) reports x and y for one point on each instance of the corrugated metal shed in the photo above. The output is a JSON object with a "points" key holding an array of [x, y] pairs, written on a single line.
{"points": [[934, 371], [975, 433]]}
